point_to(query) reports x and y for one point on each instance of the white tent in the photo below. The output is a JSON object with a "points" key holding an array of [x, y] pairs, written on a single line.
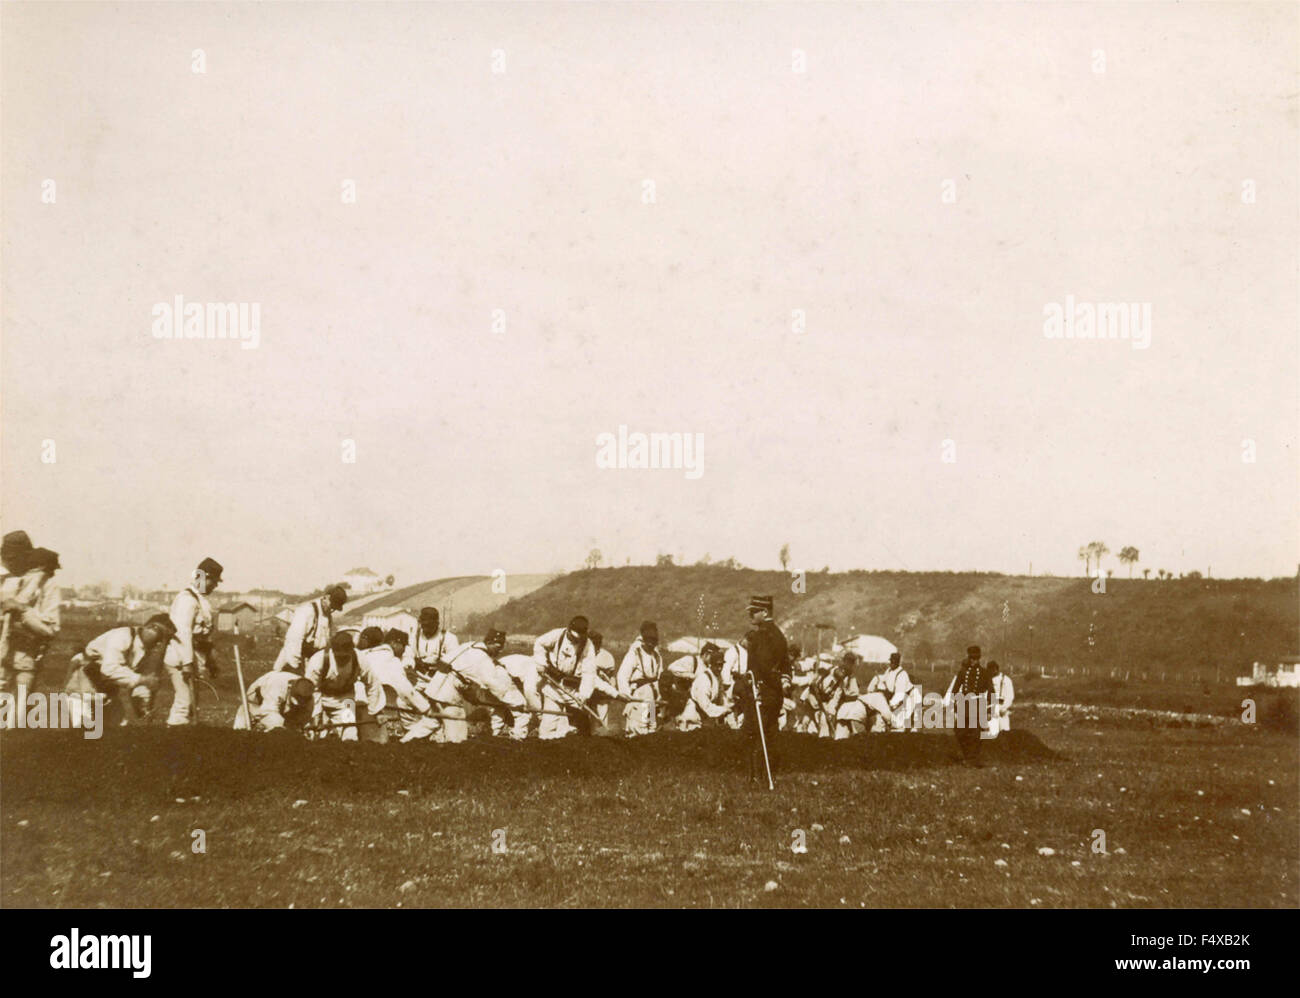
{"points": [[870, 648], [689, 646]]}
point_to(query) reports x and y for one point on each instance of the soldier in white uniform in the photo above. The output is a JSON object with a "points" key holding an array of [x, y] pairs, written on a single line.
{"points": [[192, 614], [888, 697], [125, 663], [522, 670], [604, 690], [406, 705], [335, 672], [311, 629], [1004, 695], [678, 675], [803, 718], [474, 678], [735, 662], [708, 701], [278, 701], [429, 644], [29, 603], [638, 681], [829, 690], [565, 659]]}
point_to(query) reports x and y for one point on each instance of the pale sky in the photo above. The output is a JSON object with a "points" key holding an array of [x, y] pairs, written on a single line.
{"points": [[775, 191]]}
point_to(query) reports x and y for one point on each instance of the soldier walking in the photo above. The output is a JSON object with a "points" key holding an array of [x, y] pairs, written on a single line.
{"points": [[971, 691]]}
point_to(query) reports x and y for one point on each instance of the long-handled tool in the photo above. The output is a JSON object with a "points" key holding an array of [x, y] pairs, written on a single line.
{"points": [[568, 697], [762, 736], [4, 638], [491, 704], [243, 694]]}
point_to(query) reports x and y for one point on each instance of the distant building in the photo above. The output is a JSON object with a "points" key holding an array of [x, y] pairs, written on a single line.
{"points": [[361, 581], [283, 618], [1285, 673], [236, 617], [391, 616], [263, 599]]}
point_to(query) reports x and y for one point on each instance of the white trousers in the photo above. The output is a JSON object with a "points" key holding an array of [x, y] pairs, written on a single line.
{"points": [[341, 711], [557, 724], [639, 716], [182, 711], [860, 714]]}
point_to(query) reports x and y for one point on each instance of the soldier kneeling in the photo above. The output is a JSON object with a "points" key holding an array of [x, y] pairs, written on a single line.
{"points": [[278, 701], [124, 664]]}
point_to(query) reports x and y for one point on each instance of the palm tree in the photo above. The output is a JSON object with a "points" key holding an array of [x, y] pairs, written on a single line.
{"points": [[1146, 573], [785, 557], [1129, 556], [1085, 556]]}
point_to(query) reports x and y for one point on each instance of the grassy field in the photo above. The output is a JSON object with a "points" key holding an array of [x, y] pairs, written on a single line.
{"points": [[1192, 816]]}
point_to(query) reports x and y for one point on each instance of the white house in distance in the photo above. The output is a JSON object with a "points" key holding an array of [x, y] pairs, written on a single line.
{"points": [[361, 581], [1285, 673], [389, 617]]}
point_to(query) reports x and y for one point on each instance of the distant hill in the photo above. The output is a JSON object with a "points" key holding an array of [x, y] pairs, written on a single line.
{"points": [[457, 598], [1181, 624]]}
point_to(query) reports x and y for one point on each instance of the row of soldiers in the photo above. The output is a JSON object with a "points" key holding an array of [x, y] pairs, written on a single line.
{"points": [[425, 684]]}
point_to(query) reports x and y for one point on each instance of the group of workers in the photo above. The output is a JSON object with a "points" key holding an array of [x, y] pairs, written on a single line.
{"points": [[331, 681]]}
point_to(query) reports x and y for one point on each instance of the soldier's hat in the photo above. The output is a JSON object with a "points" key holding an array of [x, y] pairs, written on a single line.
{"points": [[710, 650], [341, 644], [369, 637], [43, 558], [494, 637], [163, 621], [395, 635], [15, 549], [578, 625], [760, 603], [973, 651], [649, 629], [301, 688], [428, 613], [16, 541], [211, 568], [337, 595], [895, 658]]}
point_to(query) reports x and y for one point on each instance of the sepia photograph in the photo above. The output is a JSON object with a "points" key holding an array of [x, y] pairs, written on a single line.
{"points": [[630, 455]]}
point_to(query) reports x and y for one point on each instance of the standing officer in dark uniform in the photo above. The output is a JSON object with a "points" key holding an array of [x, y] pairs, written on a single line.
{"points": [[767, 660], [972, 691]]}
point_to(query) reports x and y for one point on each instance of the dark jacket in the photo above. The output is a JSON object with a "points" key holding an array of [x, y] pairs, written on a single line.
{"points": [[973, 679], [768, 655]]}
